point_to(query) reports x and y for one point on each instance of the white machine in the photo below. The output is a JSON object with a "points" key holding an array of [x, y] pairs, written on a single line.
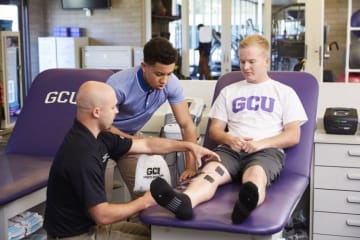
{"points": [[171, 129]]}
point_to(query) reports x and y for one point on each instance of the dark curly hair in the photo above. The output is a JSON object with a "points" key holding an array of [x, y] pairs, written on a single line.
{"points": [[159, 50]]}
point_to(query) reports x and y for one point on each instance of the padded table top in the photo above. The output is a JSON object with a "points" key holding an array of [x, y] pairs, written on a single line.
{"points": [[21, 175], [270, 217]]}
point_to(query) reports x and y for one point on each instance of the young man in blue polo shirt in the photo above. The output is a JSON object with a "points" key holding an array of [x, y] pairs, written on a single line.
{"points": [[140, 91]]}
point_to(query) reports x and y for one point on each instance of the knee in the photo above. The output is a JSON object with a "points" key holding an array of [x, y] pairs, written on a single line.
{"points": [[255, 173], [214, 171], [255, 170]]}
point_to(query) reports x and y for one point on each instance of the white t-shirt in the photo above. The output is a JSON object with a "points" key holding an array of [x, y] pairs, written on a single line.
{"points": [[205, 34], [257, 110]]}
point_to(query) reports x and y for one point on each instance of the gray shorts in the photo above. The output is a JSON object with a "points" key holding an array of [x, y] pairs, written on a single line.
{"points": [[270, 159]]}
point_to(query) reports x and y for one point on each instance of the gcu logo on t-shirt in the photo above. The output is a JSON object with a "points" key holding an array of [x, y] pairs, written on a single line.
{"points": [[253, 103], [60, 97]]}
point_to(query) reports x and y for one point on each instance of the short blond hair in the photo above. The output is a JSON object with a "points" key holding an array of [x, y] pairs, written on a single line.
{"points": [[255, 39]]}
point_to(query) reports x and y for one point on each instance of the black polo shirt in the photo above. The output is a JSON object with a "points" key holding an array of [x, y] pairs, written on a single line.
{"points": [[77, 179]]}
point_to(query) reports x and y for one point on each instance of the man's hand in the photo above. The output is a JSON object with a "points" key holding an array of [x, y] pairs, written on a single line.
{"points": [[187, 173], [203, 154], [251, 146], [237, 143]]}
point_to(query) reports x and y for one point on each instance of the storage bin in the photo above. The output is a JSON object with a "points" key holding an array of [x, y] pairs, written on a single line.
{"points": [[6, 25]]}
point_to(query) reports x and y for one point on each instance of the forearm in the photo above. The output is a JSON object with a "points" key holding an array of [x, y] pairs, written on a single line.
{"points": [[189, 134], [188, 129], [106, 213], [283, 140], [220, 137], [164, 146], [190, 162], [287, 138]]}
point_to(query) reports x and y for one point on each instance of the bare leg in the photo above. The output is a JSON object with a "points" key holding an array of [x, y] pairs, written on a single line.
{"points": [[251, 194], [256, 175], [201, 189]]}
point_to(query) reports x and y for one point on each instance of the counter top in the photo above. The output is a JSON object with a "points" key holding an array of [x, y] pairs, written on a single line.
{"points": [[322, 137]]}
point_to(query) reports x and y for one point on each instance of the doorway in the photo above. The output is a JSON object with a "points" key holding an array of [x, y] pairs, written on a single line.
{"points": [[288, 37], [245, 17]]}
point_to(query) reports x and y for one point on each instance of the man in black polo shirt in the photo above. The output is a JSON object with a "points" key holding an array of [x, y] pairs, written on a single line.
{"points": [[76, 205]]}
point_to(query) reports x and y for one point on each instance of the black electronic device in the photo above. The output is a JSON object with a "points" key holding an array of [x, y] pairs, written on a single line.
{"points": [[85, 4], [341, 120]]}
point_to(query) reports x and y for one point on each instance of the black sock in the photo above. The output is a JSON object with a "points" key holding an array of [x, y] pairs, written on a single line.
{"points": [[248, 199], [167, 197]]}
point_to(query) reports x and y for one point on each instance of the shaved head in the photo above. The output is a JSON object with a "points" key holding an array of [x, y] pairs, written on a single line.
{"points": [[93, 94], [96, 106]]}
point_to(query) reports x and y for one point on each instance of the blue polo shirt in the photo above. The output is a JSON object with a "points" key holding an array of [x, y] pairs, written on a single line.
{"points": [[137, 102]]}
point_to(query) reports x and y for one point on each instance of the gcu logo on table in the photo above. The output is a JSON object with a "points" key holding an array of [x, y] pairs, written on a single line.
{"points": [[60, 97], [253, 103]]}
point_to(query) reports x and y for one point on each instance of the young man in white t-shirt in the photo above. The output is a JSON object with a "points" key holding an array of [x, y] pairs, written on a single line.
{"points": [[252, 121]]}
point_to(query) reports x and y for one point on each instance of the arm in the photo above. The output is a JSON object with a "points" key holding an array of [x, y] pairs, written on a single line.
{"points": [[289, 137], [218, 134], [106, 213], [188, 131], [164, 146]]}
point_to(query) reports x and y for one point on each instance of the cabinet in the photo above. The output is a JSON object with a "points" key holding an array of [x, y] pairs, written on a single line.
{"points": [[107, 57], [10, 78], [336, 187], [60, 52]]}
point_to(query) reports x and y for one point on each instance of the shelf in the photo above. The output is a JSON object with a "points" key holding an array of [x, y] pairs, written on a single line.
{"points": [[354, 28], [166, 18], [10, 78]]}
